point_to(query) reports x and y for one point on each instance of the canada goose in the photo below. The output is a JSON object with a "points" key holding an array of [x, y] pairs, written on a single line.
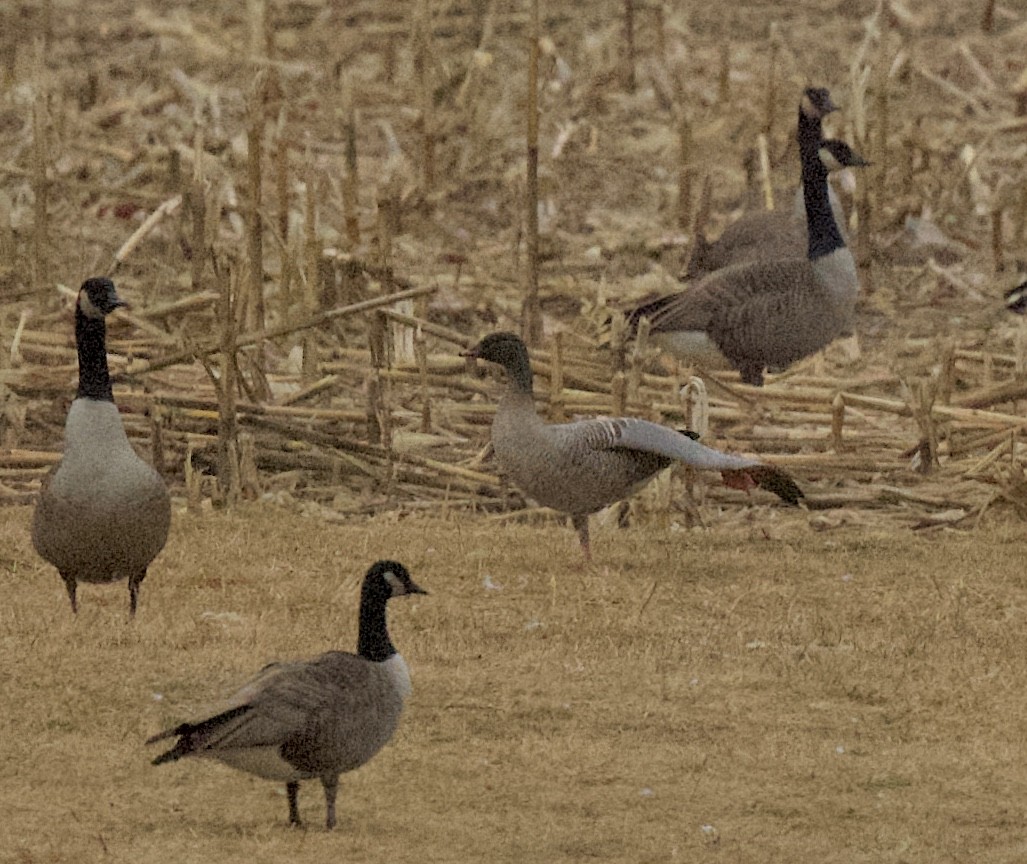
{"points": [[580, 468], [103, 513], [313, 718], [768, 313], [1016, 298], [771, 234]]}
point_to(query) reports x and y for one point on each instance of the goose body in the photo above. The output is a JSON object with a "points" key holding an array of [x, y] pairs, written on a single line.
{"points": [[315, 718], [103, 514], [771, 235], [773, 312], [579, 468]]}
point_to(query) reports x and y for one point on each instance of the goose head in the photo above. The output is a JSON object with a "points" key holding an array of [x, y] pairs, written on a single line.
{"points": [[388, 579], [97, 298], [816, 103], [507, 350]]}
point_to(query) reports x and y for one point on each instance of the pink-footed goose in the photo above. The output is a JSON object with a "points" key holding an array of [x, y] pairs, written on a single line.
{"points": [[314, 718], [579, 468], [103, 513], [769, 313]]}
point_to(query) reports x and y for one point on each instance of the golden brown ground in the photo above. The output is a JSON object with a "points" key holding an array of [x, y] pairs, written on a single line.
{"points": [[815, 697], [785, 686]]}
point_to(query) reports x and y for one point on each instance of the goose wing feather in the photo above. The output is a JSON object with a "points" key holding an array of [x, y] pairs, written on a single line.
{"points": [[739, 290], [642, 436], [284, 701]]}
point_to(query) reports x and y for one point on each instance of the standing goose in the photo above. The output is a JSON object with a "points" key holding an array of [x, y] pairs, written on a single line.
{"points": [[768, 235], [580, 468], [769, 313], [103, 513], [313, 718]]}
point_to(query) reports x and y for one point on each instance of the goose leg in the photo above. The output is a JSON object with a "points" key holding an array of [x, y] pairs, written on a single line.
{"points": [[292, 790], [580, 523], [133, 591], [751, 373], [71, 585], [331, 785]]}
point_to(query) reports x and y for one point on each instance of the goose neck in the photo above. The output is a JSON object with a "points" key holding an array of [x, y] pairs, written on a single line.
{"points": [[373, 642], [824, 234], [94, 380], [519, 375]]}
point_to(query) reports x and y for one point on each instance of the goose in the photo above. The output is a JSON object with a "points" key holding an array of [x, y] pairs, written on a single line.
{"points": [[103, 513], [579, 468], [1016, 298], [767, 235], [312, 718], [769, 313]]}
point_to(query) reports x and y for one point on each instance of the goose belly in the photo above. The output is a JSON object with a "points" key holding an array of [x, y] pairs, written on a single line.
{"points": [[811, 304], [692, 346], [790, 341], [101, 523], [266, 762], [579, 480]]}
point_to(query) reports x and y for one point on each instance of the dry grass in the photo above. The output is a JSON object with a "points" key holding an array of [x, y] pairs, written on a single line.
{"points": [[841, 697], [829, 687]]}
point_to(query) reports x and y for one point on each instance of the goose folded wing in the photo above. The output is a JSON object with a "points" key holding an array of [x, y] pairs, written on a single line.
{"points": [[730, 290], [627, 433], [276, 705]]}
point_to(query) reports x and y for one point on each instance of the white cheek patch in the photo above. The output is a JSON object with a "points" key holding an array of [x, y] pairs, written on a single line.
{"points": [[87, 307], [394, 582]]}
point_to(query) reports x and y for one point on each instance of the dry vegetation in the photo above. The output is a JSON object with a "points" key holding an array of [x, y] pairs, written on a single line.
{"points": [[312, 206], [837, 698]]}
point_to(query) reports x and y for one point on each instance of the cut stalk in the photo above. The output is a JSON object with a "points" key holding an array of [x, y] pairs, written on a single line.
{"points": [[531, 313]]}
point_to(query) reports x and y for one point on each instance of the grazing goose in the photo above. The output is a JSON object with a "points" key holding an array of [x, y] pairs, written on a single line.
{"points": [[103, 513], [580, 468], [769, 313], [313, 718], [768, 235]]}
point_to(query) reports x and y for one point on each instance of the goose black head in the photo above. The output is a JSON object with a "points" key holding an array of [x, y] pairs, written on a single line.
{"points": [[97, 297], [507, 350], [390, 579], [816, 103], [837, 154]]}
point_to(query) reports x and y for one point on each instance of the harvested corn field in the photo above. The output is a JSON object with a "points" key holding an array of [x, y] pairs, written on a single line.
{"points": [[312, 209]]}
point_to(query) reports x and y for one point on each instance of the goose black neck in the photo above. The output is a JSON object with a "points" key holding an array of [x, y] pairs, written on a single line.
{"points": [[824, 235], [94, 379], [373, 641]]}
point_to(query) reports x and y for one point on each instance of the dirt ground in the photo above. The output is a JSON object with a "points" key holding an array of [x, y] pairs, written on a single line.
{"points": [[733, 680], [699, 694]]}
